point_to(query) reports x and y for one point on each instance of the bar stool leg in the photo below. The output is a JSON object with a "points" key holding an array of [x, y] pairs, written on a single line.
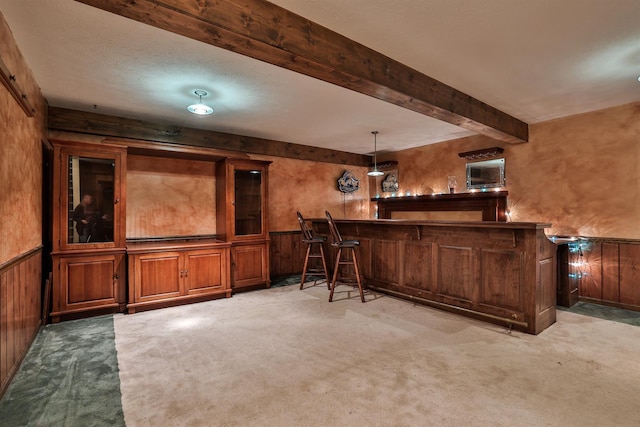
{"points": [[355, 266], [335, 274], [304, 268], [324, 266]]}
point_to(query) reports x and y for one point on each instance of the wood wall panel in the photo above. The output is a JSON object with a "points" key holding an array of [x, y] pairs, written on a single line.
{"points": [[590, 285], [630, 274], [20, 310], [287, 253], [610, 272]]}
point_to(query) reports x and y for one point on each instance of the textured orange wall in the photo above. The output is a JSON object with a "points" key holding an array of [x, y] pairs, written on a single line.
{"points": [[580, 173], [170, 197], [311, 188], [20, 157]]}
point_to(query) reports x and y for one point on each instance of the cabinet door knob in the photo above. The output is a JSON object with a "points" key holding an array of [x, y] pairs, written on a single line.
{"points": [[116, 276], [116, 201]]}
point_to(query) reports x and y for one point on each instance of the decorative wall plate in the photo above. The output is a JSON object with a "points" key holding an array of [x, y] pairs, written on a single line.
{"points": [[348, 183], [390, 183]]}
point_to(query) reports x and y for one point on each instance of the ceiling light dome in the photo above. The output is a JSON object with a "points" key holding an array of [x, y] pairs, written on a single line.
{"points": [[200, 108]]}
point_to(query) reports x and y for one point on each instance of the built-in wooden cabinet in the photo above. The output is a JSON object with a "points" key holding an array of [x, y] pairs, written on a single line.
{"points": [[171, 272], [88, 228], [242, 219], [96, 269]]}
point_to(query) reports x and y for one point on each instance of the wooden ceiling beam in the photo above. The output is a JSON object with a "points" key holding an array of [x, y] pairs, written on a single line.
{"points": [[62, 119], [264, 31]]}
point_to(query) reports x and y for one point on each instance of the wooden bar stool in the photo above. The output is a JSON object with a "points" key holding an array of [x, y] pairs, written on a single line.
{"points": [[310, 240], [348, 246]]}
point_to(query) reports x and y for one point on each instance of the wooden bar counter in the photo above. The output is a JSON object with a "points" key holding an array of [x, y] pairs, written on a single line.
{"points": [[504, 273]]}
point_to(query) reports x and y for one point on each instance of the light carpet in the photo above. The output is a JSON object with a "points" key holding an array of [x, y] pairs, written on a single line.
{"points": [[285, 357]]}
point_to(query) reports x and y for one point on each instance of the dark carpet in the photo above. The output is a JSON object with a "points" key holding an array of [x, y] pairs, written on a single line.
{"points": [[604, 312], [68, 378], [295, 280]]}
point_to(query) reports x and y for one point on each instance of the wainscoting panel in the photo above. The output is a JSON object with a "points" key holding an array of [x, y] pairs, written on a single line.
{"points": [[20, 311], [609, 272], [630, 274], [287, 253]]}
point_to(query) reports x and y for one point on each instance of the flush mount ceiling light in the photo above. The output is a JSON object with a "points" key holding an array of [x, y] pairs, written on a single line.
{"points": [[375, 171], [200, 108]]}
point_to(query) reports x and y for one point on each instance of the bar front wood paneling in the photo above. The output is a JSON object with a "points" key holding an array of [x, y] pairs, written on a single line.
{"points": [[504, 273]]}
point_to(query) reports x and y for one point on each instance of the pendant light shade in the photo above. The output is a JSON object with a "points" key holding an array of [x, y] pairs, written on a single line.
{"points": [[375, 171], [200, 108]]}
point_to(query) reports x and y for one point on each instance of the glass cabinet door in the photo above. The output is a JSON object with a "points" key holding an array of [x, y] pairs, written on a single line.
{"points": [[90, 200], [248, 201], [88, 209]]}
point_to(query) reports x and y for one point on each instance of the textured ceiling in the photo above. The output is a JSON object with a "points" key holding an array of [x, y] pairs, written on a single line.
{"points": [[535, 60]]}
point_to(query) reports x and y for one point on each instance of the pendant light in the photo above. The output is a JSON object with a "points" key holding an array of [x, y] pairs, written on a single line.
{"points": [[375, 171], [200, 108]]}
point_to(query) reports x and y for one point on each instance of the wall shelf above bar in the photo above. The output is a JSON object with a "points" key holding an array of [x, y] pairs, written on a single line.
{"points": [[492, 204], [481, 154]]}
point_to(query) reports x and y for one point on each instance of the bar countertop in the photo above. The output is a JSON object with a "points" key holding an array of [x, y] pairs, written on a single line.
{"points": [[469, 224]]}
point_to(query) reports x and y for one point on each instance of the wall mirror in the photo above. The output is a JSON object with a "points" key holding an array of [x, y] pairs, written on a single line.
{"points": [[486, 174], [90, 200]]}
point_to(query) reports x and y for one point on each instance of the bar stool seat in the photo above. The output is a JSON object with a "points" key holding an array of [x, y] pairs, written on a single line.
{"points": [[349, 246], [310, 240]]}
